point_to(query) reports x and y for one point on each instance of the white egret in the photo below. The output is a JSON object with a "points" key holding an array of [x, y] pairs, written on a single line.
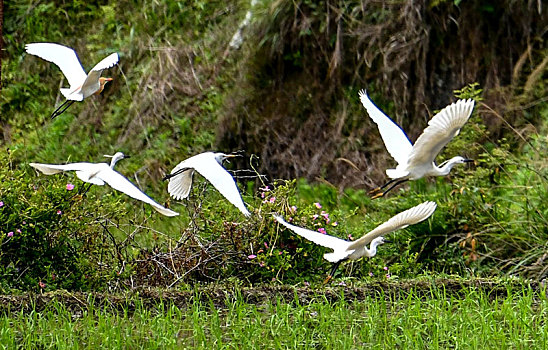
{"points": [[101, 173], [82, 85], [354, 250], [417, 160], [209, 165]]}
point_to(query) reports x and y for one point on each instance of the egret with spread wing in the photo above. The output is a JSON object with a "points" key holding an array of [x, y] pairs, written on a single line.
{"points": [[82, 85], [101, 173], [417, 160], [354, 250], [209, 165]]}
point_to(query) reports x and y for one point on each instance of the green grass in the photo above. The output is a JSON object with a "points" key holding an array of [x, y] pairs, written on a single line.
{"points": [[433, 319]]}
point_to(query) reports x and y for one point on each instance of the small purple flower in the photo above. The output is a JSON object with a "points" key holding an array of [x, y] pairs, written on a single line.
{"points": [[251, 256], [1, 204], [322, 231], [335, 224], [70, 187], [387, 275], [318, 205], [306, 284], [10, 234], [293, 208], [272, 199], [18, 231], [265, 245], [264, 189], [42, 284], [341, 283], [59, 212], [24, 222], [261, 264], [385, 268], [315, 216], [371, 274]]}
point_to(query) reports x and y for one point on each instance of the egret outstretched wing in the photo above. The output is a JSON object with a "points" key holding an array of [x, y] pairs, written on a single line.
{"points": [[441, 129], [409, 217], [396, 141], [207, 165], [122, 184], [315, 236], [64, 57]]}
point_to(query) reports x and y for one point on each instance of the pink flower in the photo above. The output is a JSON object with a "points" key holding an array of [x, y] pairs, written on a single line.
{"points": [[350, 237], [1, 204], [251, 256], [318, 205], [18, 231], [70, 187], [265, 245], [322, 231], [261, 264], [10, 234], [280, 252], [264, 189], [387, 275], [306, 284], [59, 212], [42, 284], [262, 195], [24, 222], [315, 216], [370, 274], [293, 208], [272, 199], [341, 283], [385, 268]]}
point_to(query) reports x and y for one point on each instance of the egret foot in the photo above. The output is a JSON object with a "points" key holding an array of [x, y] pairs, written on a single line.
{"points": [[378, 195], [375, 190], [326, 281]]}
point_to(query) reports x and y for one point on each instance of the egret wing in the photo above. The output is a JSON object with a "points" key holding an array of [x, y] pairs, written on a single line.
{"points": [[441, 129], [122, 184], [95, 72], [50, 169], [179, 185], [396, 141], [315, 236], [64, 57], [208, 167], [409, 217]]}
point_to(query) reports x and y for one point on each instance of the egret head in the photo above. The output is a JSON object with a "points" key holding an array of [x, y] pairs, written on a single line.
{"points": [[102, 82], [378, 241], [219, 157], [116, 157]]}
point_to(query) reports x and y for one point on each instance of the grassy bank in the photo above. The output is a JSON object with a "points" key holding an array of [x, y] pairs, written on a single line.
{"points": [[414, 318]]}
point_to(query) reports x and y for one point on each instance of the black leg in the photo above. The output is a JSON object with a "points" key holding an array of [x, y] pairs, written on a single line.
{"points": [[332, 272], [60, 109], [169, 176], [382, 193]]}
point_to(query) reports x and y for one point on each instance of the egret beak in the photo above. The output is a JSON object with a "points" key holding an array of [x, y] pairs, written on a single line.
{"points": [[468, 161], [387, 241], [126, 156]]}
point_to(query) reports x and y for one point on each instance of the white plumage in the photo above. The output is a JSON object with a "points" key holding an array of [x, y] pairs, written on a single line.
{"points": [[101, 173], [417, 161], [354, 250], [208, 164]]}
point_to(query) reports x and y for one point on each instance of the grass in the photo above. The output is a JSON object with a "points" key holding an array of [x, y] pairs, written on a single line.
{"points": [[417, 319]]}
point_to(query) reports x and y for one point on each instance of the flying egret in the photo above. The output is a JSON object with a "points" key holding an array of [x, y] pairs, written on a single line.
{"points": [[354, 250], [417, 161], [209, 165], [82, 85], [101, 173]]}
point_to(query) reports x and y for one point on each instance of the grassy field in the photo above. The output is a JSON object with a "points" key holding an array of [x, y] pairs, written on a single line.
{"points": [[434, 317]]}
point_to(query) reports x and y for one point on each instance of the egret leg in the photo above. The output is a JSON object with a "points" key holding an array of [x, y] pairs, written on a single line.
{"points": [[169, 176], [332, 272], [378, 189], [87, 189], [382, 193], [60, 109]]}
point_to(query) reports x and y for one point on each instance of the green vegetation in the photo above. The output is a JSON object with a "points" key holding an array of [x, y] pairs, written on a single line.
{"points": [[431, 318]]}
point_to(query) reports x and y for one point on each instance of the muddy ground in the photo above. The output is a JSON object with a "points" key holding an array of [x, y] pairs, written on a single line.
{"points": [[219, 294]]}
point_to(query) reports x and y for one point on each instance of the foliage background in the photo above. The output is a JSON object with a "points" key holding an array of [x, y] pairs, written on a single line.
{"points": [[288, 97]]}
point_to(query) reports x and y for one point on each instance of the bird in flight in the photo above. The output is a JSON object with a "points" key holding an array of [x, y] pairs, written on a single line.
{"points": [[209, 165], [82, 84], [354, 250], [417, 160], [101, 173]]}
